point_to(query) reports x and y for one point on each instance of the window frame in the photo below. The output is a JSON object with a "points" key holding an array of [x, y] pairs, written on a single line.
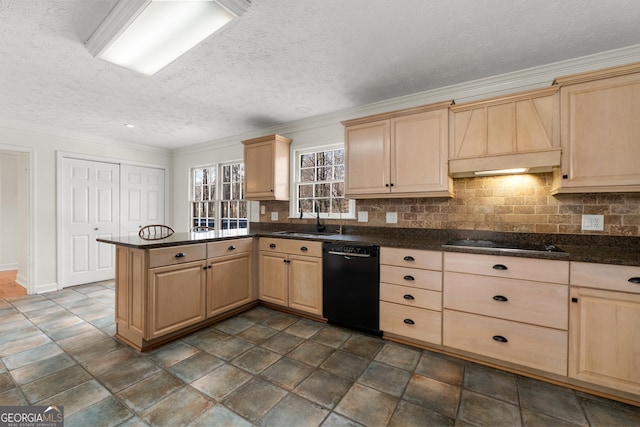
{"points": [[294, 213], [218, 200]]}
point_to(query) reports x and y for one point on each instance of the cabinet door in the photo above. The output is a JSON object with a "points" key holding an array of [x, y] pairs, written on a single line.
{"points": [[258, 170], [176, 297], [273, 278], [367, 154], [419, 150], [600, 131], [605, 338], [228, 283], [305, 283]]}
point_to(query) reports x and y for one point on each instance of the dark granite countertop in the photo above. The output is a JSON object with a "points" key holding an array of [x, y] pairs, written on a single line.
{"points": [[618, 250]]}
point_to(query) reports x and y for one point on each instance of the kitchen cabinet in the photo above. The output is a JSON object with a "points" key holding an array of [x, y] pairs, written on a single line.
{"points": [[266, 168], [507, 308], [411, 294], [604, 325], [513, 131], [291, 274], [600, 131], [398, 154], [177, 287], [229, 275]]}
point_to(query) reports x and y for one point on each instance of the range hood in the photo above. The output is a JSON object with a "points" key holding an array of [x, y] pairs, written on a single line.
{"points": [[519, 131]]}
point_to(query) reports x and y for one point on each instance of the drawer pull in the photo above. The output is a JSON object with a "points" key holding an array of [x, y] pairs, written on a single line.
{"points": [[500, 267], [304, 248], [500, 338], [409, 278], [180, 255], [272, 245], [231, 248], [409, 258], [500, 298], [409, 322], [409, 297], [635, 280]]}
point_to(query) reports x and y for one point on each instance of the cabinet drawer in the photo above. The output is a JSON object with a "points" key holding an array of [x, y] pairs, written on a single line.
{"points": [[527, 345], [229, 247], [416, 278], [622, 278], [414, 258], [539, 270], [538, 303], [176, 255], [397, 319], [290, 246], [412, 297]]}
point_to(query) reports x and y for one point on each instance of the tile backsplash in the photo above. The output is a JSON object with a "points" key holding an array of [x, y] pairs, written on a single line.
{"points": [[517, 203]]}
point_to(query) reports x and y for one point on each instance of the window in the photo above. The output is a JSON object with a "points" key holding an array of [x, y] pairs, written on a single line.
{"points": [[218, 202], [319, 183]]}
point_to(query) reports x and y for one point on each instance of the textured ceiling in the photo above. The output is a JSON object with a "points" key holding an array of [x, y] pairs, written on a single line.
{"points": [[325, 55]]}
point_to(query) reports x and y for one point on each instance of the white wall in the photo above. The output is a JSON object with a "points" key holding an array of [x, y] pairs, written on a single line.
{"points": [[43, 146], [8, 211]]}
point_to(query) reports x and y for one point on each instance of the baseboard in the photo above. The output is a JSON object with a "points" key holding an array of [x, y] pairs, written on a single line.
{"points": [[10, 266], [22, 281], [47, 287]]}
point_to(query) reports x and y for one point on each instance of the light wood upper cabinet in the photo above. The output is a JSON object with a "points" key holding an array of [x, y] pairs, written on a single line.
{"points": [[398, 154], [514, 131], [266, 168], [600, 131]]}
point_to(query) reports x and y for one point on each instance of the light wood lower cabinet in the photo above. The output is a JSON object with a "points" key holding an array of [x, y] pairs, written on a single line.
{"points": [[605, 326], [291, 274], [176, 297], [411, 294]]}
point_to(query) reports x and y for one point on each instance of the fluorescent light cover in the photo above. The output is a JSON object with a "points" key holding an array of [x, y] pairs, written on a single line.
{"points": [[157, 33], [502, 172]]}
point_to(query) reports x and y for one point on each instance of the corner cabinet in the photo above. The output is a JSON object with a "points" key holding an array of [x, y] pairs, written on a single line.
{"points": [[513, 131], [605, 325], [398, 154], [266, 168], [600, 131], [291, 274]]}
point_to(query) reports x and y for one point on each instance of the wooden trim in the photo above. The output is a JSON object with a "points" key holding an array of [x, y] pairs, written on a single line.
{"points": [[290, 310], [398, 113], [505, 99], [267, 138], [534, 159], [598, 74]]}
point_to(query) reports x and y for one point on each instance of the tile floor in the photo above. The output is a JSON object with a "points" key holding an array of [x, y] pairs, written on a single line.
{"points": [[261, 368]]}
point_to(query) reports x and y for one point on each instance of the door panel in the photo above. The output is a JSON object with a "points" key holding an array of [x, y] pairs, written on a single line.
{"points": [[142, 198]]}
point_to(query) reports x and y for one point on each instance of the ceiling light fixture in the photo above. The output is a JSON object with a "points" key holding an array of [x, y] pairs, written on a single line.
{"points": [[502, 172], [147, 35]]}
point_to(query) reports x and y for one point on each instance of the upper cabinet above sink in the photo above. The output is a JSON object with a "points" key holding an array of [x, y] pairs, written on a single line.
{"points": [[514, 131], [266, 168]]}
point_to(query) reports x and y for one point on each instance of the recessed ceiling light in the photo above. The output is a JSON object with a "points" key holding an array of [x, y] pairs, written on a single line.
{"points": [[129, 125]]}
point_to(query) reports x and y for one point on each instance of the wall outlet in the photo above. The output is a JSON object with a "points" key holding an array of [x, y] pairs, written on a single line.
{"points": [[263, 209], [274, 216], [363, 216], [593, 222], [392, 217]]}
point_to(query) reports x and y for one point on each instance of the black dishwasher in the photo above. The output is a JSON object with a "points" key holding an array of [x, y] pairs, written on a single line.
{"points": [[351, 289]]}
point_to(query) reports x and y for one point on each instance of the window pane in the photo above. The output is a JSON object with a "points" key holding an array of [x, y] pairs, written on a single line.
{"points": [[305, 191], [307, 160], [322, 190], [325, 158], [306, 205], [226, 191], [226, 173], [307, 174], [197, 176], [337, 189], [236, 191], [338, 173], [339, 205], [197, 192], [324, 205], [324, 174], [338, 158]]}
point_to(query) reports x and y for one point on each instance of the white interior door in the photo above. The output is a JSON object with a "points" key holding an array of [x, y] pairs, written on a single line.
{"points": [[142, 198], [90, 209]]}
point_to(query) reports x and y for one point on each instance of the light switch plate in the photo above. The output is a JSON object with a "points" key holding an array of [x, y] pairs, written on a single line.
{"points": [[363, 216], [263, 209], [392, 217], [593, 222], [274, 216]]}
